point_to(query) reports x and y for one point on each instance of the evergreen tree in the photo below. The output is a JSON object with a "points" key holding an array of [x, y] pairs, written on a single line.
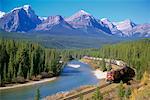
{"points": [[11, 66], [103, 66], [108, 67], [97, 95], [138, 70], [37, 95], [24, 63], [4, 59], [28, 59], [31, 66]]}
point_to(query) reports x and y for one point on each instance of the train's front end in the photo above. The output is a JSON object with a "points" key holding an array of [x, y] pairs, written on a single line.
{"points": [[110, 76]]}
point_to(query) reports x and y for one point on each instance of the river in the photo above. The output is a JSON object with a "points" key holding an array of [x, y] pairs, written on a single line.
{"points": [[69, 79]]}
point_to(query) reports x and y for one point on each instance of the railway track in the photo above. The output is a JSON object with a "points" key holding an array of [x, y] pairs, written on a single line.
{"points": [[89, 91], [85, 92]]}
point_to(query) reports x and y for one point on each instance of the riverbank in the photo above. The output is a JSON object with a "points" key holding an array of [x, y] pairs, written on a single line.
{"points": [[108, 91], [28, 83], [75, 93], [100, 74], [62, 95], [97, 72]]}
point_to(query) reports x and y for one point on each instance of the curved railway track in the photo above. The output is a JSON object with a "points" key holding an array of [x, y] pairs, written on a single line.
{"points": [[71, 97]]}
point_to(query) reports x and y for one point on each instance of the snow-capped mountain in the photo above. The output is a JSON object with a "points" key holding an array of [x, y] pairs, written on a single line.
{"points": [[86, 22], [42, 18], [53, 23], [142, 30], [125, 26], [2, 14], [24, 19], [21, 19], [82, 19], [107, 23]]}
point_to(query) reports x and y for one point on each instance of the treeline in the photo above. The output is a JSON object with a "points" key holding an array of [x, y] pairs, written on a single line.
{"points": [[21, 61], [69, 54], [135, 53]]}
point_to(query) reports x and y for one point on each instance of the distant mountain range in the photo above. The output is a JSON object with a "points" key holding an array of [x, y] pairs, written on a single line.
{"points": [[23, 19]]}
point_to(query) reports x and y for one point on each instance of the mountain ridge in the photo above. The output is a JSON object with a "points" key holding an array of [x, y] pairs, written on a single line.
{"points": [[24, 19]]}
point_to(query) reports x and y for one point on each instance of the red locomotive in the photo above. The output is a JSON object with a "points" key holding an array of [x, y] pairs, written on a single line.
{"points": [[124, 73]]}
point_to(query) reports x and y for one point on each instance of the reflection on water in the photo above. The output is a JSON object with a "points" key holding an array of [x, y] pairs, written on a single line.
{"points": [[70, 78]]}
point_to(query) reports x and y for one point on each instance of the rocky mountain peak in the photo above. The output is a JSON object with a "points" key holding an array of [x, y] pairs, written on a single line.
{"points": [[54, 19], [125, 25], [107, 23], [79, 15], [2, 14], [20, 19], [26, 7], [24, 19], [82, 12]]}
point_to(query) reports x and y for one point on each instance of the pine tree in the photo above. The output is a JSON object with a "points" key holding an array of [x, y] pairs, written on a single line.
{"points": [[138, 70], [19, 58], [103, 66], [108, 67], [20, 73], [37, 95], [4, 59], [97, 95], [10, 68], [25, 62], [31, 66]]}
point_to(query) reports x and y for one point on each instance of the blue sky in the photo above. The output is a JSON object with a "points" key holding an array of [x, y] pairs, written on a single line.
{"points": [[115, 10]]}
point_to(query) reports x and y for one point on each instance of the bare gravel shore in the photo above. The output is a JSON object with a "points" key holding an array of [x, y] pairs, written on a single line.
{"points": [[28, 83]]}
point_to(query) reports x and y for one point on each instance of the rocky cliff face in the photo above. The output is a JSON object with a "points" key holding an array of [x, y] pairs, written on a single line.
{"points": [[21, 19], [51, 22], [85, 21]]}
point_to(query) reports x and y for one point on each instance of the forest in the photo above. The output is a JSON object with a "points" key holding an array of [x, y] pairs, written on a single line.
{"points": [[21, 61], [135, 53]]}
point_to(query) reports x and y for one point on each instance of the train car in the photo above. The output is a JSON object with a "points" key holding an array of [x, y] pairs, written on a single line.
{"points": [[124, 73]]}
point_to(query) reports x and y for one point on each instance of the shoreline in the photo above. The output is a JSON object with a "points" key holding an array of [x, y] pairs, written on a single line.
{"points": [[28, 83], [99, 74]]}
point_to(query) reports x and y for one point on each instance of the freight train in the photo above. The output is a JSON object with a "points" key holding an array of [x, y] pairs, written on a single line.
{"points": [[122, 72]]}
